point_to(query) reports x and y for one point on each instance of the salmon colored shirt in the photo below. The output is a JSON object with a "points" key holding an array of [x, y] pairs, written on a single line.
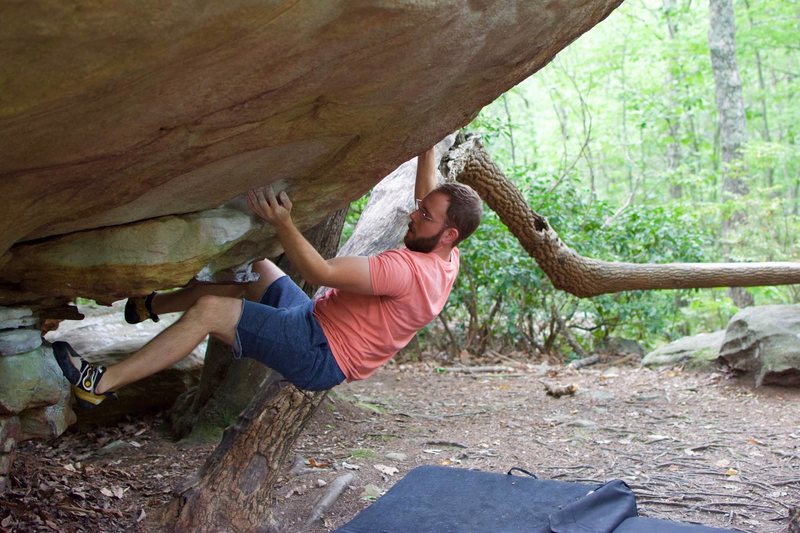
{"points": [[409, 291]]}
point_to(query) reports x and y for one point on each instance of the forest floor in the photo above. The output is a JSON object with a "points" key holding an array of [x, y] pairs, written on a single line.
{"points": [[694, 447]]}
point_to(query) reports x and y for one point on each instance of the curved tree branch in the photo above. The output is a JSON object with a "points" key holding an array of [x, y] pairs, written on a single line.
{"points": [[469, 163]]}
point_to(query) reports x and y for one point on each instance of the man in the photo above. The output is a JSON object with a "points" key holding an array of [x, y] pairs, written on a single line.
{"points": [[374, 307]]}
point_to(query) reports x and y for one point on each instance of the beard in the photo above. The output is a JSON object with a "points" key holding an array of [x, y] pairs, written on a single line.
{"points": [[421, 244]]}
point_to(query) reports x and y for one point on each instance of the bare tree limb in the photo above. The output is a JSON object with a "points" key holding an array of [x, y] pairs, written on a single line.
{"points": [[469, 163]]}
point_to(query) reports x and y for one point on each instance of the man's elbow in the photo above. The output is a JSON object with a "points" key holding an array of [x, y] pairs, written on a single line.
{"points": [[319, 276]]}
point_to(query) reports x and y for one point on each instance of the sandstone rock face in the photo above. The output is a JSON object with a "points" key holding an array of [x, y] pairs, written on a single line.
{"points": [[34, 396], [697, 351], [127, 120], [765, 341]]}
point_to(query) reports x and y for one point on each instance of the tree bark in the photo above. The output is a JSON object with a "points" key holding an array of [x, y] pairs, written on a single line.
{"points": [[732, 122], [232, 491], [728, 89], [469, 163]]}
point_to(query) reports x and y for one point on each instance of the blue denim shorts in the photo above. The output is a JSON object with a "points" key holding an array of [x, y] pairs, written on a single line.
{"points": [[282, 333]]}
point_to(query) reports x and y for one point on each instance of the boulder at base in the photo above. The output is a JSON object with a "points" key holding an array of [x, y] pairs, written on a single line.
{"points": [[765, 341], [697, 351]]}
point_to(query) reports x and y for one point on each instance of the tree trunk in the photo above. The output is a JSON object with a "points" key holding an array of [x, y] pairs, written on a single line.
{"points": [[232, 491], [584, 277], [728, 88], [732, 122], [673, 116]]}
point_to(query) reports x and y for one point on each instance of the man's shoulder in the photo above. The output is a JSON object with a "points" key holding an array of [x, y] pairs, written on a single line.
{"points": [[412, 257]]}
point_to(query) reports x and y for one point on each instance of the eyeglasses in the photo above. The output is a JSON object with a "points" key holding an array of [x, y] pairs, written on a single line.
{"points": [[424, 212]]}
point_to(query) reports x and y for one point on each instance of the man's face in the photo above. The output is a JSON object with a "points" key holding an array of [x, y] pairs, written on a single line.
{"points": [[428, 223]]}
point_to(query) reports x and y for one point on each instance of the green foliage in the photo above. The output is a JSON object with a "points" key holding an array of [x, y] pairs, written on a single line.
{"points": [[497, 266]]}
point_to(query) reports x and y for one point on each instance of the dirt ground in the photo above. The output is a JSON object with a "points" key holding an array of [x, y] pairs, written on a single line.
{"points": [[694, 447]]}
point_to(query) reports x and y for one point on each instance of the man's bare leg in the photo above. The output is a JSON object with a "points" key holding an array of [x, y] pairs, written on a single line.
{"points": [[207, 313], [183, 298], [213, 315]]}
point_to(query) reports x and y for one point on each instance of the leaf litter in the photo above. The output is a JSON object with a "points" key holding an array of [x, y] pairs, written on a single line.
{"points": [[694, 447]]}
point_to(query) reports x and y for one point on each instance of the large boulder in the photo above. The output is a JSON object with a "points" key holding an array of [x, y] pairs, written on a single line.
{"points": [[127, 120], [765, 341], [697, 351]]}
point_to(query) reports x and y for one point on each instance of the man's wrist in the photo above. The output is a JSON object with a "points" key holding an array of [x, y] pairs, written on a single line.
{"points": [[283, 225]]}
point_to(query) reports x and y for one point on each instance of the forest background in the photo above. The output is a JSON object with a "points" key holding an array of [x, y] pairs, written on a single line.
{"points": [[619, 143]]}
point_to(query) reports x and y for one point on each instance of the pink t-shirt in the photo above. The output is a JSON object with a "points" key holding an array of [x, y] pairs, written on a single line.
{"points": [[409, 291]]}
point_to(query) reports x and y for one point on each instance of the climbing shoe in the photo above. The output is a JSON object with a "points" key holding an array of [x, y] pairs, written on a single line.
{"points": [[139, 309], [83, 380]]}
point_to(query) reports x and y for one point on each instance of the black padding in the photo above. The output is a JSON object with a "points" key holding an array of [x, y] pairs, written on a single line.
{"points": [[438, 499], [602, 510], [441, 499]]}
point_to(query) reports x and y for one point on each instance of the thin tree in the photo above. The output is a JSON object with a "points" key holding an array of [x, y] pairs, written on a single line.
{"points": [[732, 121]]}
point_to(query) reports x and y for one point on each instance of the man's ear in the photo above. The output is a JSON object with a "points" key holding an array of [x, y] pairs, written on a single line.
{"points": [[449, 236]]}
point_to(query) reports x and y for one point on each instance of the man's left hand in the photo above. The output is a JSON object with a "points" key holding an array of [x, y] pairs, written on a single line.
{"points": [[275, 210]]}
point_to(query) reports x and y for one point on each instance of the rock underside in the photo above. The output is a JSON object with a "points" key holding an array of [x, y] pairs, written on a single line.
{"points": [[131, 130]]}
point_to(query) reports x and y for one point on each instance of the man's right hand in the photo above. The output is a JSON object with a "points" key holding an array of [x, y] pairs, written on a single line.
{"points": [[275, 210]]}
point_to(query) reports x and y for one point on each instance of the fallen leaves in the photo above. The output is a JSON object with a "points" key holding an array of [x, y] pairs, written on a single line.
{"points": [[113, 492], [313, 463], [371, 492]]}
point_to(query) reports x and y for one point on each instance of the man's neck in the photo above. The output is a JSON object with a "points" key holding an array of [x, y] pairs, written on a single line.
{"points": [[443, 252]]}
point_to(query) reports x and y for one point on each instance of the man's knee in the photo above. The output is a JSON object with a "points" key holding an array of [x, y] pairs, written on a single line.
{"points": [[267, 272], [214, 311]]}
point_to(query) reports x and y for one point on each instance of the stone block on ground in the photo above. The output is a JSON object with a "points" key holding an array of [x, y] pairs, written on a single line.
{"points": [[10, 432], [764, 341], [697, 351], [20, 376], [14, 317]]}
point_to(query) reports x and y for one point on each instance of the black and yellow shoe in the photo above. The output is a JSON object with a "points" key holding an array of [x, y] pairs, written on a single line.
{"points": [[84, 380], [138, 309]]}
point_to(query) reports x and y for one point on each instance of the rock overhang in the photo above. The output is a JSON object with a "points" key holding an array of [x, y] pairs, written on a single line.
{"points": [[122, 122]]}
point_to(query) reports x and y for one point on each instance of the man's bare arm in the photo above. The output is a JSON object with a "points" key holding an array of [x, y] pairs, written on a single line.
{"points": [[346, 273], [426, 173]]}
